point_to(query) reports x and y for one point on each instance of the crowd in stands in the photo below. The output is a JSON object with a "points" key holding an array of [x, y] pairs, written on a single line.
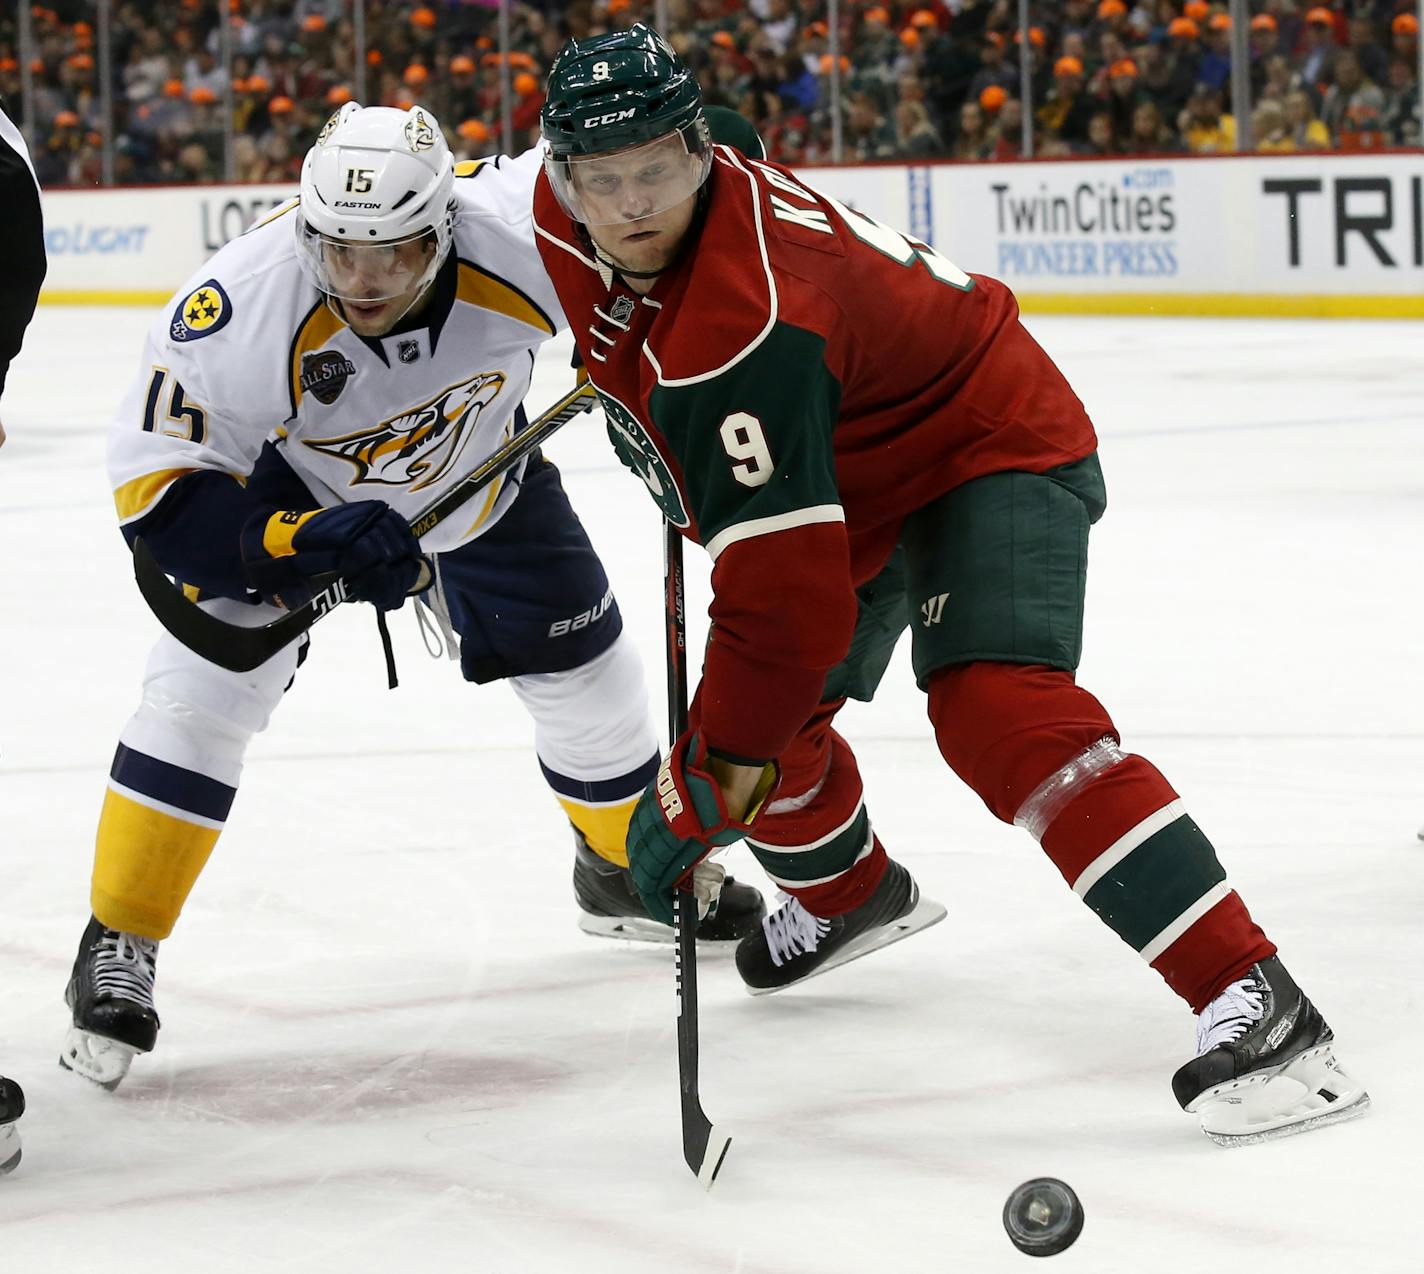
{"points": [[918, 78]]}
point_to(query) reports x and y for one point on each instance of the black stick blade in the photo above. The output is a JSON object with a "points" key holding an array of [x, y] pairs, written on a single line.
{"points": [[704, 1146], [230, 646]]}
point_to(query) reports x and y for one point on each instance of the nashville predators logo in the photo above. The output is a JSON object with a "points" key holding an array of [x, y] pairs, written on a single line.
{"points": [[418, 447], [202, 312], [419, 133]]}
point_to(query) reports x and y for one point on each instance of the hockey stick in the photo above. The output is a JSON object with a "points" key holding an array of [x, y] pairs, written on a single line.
{"points": [[703, 1146], [241, 649]]}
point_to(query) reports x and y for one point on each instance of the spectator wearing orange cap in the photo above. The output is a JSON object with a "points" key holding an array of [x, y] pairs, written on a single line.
{"points": [[876, 49], [528, 102], [1064, 115], [1265, 43], [1214, 68], [1169, 70], [1317, 56], [462, 90], [249, 107], [1122, 97], [474, 139]]}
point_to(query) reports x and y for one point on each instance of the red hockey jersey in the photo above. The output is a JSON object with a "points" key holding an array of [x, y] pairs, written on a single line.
{"points": [[801, 380]]}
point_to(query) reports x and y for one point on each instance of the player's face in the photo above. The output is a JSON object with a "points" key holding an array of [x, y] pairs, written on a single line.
{"points": [[363, 277], [638, 204]]}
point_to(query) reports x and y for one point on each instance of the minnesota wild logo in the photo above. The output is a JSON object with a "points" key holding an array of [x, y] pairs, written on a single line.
{"points": [[637, 450], [418, 447]]}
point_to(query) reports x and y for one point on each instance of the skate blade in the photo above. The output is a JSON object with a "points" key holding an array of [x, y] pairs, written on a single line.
{"points": [[640, 929], [96, 1057], [925, 914], [1309, 1092], [9, 1148]]}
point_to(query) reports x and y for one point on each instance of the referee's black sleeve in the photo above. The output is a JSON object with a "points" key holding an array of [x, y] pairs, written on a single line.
{"points": [[22, 259]]}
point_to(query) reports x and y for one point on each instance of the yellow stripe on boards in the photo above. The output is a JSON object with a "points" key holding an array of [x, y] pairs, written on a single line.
{"points": [[1169, 304], [83, 296], [1224, 304], [605, 828], [145, 864]]}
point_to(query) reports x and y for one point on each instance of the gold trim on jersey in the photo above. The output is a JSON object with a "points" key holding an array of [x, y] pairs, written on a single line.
{"points": [[138, 495], [272, 216], [489, 292], [468, 167], [319, 326]]}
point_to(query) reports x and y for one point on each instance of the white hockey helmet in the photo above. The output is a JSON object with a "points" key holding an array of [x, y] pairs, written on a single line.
{"points": [[376, 179]]}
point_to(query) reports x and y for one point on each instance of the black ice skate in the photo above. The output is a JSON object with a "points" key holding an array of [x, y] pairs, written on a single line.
{"points": [[12, 1106], [1265, 1067], [111, 995], [611, 908], [792, 945]]}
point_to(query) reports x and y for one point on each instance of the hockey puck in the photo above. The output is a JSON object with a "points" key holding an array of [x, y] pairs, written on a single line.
{"points": [[1043, 1216]]}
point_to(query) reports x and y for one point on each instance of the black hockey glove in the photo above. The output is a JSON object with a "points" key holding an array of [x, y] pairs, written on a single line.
{"points": [[368, 544]]}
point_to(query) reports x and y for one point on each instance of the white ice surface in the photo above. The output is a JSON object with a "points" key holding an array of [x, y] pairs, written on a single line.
{"points": [[387, 1047]]}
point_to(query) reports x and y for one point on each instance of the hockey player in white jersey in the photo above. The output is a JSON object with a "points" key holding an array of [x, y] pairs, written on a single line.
{"points": [[317, 384]]}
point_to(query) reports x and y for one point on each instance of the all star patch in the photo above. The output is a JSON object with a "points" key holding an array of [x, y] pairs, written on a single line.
{"points": [[202, 312], [324, 375]]}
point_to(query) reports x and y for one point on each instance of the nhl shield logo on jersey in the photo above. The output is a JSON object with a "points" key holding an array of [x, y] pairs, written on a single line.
{"points": [[408, 351], [419, 135], [638, 451], [418, 447], [622, 309], [324, 375], [202, 312]]}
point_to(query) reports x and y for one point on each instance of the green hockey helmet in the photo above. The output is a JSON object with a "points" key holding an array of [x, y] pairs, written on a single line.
{"points": [[624, 128]]}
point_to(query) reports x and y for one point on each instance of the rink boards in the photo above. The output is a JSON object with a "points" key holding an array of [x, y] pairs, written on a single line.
{"points": [[1311, 235]]}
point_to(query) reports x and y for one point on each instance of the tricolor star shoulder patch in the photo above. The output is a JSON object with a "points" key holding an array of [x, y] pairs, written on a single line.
{"points": [[202, 312]]}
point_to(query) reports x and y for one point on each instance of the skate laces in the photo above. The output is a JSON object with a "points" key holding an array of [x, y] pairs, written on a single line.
{"points": [[124, 967], [791, 930], [1228, 1017]]}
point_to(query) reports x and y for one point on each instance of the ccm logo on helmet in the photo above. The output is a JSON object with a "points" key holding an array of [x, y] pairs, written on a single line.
{"points": [[615, 118]]}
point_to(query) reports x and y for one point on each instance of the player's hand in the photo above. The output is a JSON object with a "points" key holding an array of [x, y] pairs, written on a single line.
{"points": [[368, 544], [679, 820]]}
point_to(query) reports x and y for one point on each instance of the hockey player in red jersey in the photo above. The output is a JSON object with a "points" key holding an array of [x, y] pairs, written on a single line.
{"points": [[864, 437]]}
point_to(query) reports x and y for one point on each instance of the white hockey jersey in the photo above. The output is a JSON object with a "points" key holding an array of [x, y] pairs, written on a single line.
{"points": [[249, 351]]}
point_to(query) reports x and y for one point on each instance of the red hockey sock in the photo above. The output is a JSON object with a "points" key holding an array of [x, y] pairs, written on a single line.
{"points": [[1041, 751]]}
